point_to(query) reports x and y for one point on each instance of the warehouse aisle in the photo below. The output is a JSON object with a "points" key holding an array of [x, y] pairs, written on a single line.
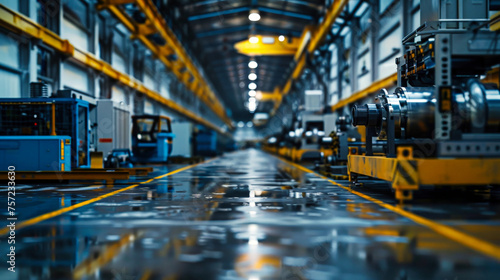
{"points": [[246, 215]]}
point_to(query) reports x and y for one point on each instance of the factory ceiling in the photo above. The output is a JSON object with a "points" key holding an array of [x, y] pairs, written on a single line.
{"points": [[210, 29]]}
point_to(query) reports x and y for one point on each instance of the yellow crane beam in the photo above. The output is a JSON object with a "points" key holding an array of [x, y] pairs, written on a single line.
{"points": [[374, 87], [191, 76], [21, 24], [258, 45], [311, 39], [263, 96]]}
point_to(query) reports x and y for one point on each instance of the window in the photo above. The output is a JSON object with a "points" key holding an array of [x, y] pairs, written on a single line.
{"points": [[75, 25], [13, 5], [390, 45], [334, 62], [104, 50], [45, 67], [11, 84], [119, 51], [44, 62], [75, 78], [10, 51], [384, 4], [75, 34], [416, 14], [10, 73], [119, 95], [47, 14], [77, 11], [148, 107], [164, 86]]}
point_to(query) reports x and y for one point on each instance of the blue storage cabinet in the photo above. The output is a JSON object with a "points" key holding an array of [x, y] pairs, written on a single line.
{"points": [[35, 153]]}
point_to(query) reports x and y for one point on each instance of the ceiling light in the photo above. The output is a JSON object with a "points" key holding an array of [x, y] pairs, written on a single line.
{"points": [[281, 38], [254, 15], [252, 107], [252, 100], [252, 86], [253, 64], [254, 39], [252, 93], [252, 76]]}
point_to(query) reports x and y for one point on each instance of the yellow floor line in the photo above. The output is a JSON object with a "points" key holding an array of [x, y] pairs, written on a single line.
{"points": [[467, 240], [61, 211]]}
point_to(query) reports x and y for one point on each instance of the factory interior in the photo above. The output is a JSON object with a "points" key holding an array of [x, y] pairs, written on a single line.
{"points": [[250, 139]]}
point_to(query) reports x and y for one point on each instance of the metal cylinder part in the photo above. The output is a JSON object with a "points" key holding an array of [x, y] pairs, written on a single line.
{"points": [[418, 107], [476, 109], [366, 115], [493, 119]]}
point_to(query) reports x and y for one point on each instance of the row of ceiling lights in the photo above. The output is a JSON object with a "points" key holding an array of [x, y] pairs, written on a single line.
{"points": [[252, 101]]}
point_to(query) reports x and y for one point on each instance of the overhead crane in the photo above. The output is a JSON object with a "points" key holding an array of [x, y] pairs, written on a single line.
{"points": [[309, 41], [268, 45], [300, 48]]}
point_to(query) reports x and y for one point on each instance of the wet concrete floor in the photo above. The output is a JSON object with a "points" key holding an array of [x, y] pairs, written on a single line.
{"points": [[245, 215]]}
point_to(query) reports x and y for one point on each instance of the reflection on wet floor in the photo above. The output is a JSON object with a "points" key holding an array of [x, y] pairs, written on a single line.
{"points": [[245, 215]]}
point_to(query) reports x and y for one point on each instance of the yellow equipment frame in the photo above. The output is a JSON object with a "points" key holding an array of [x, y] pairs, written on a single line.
{"points": [[407, 173]]}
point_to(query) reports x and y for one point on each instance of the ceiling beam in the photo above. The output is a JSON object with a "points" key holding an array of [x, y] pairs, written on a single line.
{"points": [[247, 9]]}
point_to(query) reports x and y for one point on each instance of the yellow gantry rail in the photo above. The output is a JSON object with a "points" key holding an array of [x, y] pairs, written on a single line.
{"points": [[310, 41], [183, 67], [374, 87], [23, 25], [268, 45]]}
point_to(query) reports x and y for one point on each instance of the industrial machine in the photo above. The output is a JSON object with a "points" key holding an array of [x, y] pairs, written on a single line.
{"points": [[441, 125], [337, 143], [112, 121], [35, 153], [208, 143], [205, 142], [341, 139], [40, 121], [119, 158], [152, 138], [305, 140]]}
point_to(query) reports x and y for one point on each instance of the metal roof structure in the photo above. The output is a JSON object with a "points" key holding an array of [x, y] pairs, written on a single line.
{"points": [[210, 28]]}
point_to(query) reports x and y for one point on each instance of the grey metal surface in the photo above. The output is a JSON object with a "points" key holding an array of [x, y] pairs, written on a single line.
{"points": [[113, 122], [478, 148]]}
